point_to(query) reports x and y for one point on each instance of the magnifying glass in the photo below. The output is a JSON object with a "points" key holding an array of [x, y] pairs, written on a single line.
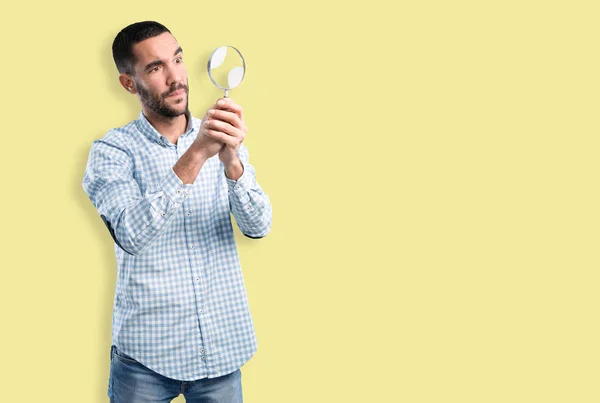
{"points": [[226, 68]]}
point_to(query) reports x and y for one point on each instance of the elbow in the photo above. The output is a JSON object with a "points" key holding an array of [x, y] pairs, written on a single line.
{"points": [[258, 223], [257, 236], [129, 247], [259, 232], [126, 243]]}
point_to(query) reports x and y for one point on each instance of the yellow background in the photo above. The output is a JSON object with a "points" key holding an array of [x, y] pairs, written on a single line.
{"points": [[433, 169]]}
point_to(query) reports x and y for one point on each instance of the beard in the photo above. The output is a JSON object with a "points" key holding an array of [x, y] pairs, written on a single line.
{"points": [[158, 103]]}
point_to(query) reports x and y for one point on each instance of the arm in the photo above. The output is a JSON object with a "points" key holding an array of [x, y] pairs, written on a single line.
{"points": [[250, 206], [248, 203], [133, 219]]}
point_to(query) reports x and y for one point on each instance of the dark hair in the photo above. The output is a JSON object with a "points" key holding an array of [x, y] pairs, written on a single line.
{"points": [[122, 47]]}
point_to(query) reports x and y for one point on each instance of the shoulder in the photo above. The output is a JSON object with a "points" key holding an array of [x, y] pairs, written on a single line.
{"points": [[116, 141], [116, 136]]}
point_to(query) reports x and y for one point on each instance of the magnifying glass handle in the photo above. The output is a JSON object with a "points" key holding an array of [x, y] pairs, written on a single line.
{"points": [[226, 94]]}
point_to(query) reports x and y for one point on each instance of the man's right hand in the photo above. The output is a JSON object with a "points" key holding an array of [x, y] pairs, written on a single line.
{"points": [[205, 143], [204, 146]]}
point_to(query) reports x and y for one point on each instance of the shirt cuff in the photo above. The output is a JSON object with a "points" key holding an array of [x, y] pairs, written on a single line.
{"points": [[174, 187]]}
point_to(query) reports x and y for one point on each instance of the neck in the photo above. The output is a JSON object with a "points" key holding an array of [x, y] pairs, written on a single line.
{"points": [[171, 128]]}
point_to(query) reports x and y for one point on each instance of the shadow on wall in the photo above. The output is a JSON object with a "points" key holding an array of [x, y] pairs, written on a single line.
{"points": [[100, 237]]}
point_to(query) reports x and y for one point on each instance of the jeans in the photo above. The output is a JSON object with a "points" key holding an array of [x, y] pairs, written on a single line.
{"points": [[132, 382]]}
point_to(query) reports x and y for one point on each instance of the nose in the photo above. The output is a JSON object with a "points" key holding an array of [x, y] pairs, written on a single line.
{"points": [[176, 75]]}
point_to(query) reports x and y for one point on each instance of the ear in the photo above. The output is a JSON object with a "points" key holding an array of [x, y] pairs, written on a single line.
{"points": [[128, 83]]}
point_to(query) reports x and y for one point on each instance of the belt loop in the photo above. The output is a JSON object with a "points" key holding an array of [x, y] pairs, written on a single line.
{"points": [[112, 351]]}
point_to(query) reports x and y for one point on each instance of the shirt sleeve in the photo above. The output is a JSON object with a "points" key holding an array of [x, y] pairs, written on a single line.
{"points": [[250, 206], [133, 219]]}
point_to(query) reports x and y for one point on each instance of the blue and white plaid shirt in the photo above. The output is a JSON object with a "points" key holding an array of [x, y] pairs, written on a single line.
{"points": [[180, 305]]}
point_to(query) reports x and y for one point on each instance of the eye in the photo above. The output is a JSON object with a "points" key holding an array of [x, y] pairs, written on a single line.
{"points": [[178, 60], [154, 69]]}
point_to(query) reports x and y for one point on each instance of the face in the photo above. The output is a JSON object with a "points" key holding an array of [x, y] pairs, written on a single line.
{"points": [[160, 75]]}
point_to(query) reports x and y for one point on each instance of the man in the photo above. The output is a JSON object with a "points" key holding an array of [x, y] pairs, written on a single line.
{"points": [[165, 185]]}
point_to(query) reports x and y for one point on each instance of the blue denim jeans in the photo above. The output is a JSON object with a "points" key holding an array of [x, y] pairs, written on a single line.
{"points": [[132, 382]]}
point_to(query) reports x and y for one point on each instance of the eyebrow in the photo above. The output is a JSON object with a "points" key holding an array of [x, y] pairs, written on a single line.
{"points": [[155, 63]]}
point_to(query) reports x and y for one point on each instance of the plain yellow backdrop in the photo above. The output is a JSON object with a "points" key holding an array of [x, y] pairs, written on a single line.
{"points": [[432, 167]]}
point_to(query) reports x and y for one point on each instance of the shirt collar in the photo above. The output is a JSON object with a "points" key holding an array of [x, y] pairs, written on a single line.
{"points": [[146, 128]]}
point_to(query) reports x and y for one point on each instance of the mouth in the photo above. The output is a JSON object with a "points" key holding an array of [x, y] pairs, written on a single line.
{"points": [[176, 93]]}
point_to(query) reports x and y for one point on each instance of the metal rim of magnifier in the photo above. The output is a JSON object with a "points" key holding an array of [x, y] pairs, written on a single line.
{"points": [[208, 66]]}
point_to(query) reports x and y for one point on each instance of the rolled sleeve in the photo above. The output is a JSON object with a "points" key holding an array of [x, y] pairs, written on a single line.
{"points": [[239, 188], [248, 203], [174, 187]]}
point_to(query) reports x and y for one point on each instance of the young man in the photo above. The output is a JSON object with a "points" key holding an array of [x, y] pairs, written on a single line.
{"points": [[165, 185]]}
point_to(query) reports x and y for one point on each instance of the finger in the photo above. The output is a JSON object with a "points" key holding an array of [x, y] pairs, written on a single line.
{"points": [[229, 104], [224, 127], [214, 107], [227, 116], [222, 137]]}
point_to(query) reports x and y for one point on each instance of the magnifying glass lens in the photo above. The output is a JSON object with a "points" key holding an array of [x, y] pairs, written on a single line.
{"points": [[226, 68]]}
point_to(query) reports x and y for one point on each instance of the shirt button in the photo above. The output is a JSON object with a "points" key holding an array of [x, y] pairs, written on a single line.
{"points": [[163, 213], [189, 214], [192, 246], [197, 279], [204, 358], [179, 192], [201, 311], [202, 350]]}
